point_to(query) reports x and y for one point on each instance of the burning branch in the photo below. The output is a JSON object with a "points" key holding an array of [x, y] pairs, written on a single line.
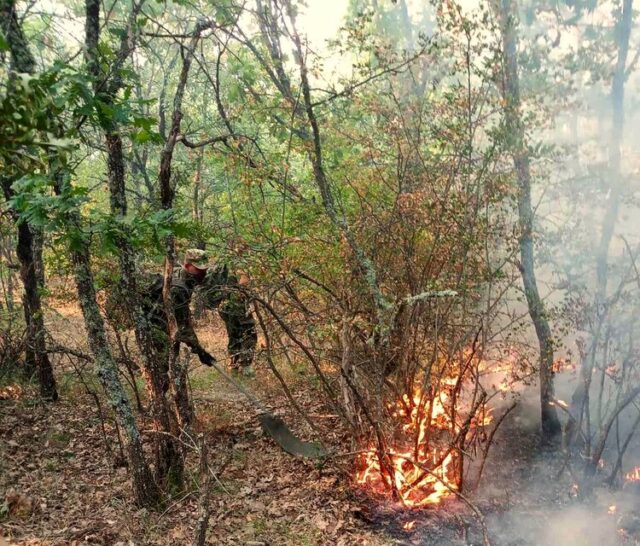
{"points": [[419, 472]]}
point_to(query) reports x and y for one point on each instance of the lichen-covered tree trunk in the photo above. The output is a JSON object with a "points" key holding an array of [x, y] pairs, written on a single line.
{"points": [[517, 146], [384, 309], [146, 491], [169, 464], [29, 247]]}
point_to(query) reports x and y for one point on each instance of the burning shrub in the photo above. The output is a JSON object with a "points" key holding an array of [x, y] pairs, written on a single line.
{"points": [[424, 462]]}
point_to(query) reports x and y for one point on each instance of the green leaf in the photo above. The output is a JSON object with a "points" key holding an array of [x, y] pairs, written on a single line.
{"points": [[140, 137]]}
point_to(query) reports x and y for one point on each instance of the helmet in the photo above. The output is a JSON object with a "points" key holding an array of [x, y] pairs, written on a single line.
{"points": [[197, 257]]}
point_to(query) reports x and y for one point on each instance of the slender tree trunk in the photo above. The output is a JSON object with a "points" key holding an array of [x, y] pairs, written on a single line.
{"points": [[580, 397], [169, 462], [516, 138], [177, 369], [383, 307], [29, 245], [204, 509], [196, 207], [197, 218], [348, 373], [146, 491], [605, 428]]}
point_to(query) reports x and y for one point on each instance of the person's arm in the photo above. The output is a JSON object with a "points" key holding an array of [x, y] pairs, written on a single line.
{"points": [[186, 333], [214, 288]]}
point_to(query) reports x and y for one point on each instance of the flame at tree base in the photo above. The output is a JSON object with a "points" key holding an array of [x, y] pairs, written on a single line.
{"points": [[419, 472]]}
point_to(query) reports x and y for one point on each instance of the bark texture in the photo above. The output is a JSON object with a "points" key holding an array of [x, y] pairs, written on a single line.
{"points": [[146, 492], [177, 368]]}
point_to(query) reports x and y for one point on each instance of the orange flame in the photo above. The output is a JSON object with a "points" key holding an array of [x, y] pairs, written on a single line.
{"points": [[634, 475], [563, 365], [560, 403], [407, 465]]}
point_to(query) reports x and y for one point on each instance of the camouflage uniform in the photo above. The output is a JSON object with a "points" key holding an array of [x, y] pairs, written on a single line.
{"points": [[221, 291], [182, 287]]}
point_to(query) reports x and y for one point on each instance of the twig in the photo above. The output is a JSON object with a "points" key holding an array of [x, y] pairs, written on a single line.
{"points": [[279, 377], [490, 441]]}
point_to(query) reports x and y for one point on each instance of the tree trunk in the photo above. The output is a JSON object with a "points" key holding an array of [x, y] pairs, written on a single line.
{"points": [[33, 306], [580, 397], [384, 309], [197, 217], [348, 373], [29, 247], [206, 485], [516, 140], [146, 491], [169, 463], [177, 369]]}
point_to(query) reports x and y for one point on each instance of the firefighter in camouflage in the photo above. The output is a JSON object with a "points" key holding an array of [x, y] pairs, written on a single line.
{"points": [[221, 290], [225, 291]]}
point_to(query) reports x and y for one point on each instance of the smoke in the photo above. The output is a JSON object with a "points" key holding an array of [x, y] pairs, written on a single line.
{"points": [[530, 495], [566, 526]]}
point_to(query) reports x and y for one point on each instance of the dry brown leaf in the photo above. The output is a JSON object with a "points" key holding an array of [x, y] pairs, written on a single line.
{"points": [[18, 505]]}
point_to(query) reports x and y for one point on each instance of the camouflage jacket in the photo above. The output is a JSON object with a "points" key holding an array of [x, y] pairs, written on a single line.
{"points": [[182, 287], [221, 291]]}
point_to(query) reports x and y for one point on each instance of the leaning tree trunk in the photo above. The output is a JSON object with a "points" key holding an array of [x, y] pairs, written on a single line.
{"points": [[516, 140], [169, 464], [146, 491], [385, 311], [177, 368], [28, 251]]}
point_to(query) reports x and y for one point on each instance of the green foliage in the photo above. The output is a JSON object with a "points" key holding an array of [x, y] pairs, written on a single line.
{"points": [[30, 122], [38, 204]]}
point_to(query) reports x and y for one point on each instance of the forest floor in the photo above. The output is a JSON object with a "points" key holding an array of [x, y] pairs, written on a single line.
{"points": [[61, 481], [61, 484]]}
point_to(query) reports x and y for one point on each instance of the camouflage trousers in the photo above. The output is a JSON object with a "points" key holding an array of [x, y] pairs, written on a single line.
{"points": [[243, 338]]}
